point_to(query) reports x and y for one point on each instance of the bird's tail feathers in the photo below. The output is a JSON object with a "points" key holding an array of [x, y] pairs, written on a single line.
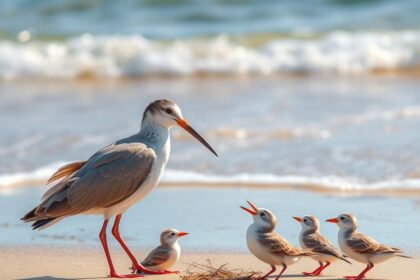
{"points": [[404, 256], [30, 216], [44, 223], [344, 259]]}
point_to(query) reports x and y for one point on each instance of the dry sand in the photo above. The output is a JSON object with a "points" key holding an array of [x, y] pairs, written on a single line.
{"points": [[48, 263]]}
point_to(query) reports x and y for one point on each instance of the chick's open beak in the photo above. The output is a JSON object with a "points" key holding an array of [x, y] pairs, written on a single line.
{"points": [[254, 210]]}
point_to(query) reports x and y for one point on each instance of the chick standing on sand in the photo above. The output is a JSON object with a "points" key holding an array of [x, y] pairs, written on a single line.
{"points": [[360, 247], [312, 241], [167, 254], [267, 245]]}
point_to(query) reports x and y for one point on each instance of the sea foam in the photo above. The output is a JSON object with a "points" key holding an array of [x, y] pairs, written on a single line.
{"points": [[182, 178], [136, 56]]}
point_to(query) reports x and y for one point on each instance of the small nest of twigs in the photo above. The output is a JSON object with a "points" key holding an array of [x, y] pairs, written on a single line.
{"points": [[208, 272]]}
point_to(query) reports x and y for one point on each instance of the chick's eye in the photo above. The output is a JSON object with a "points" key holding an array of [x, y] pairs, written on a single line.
{"points": [[168, 111]]}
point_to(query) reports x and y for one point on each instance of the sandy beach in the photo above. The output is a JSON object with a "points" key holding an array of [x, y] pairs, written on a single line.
{"points": [[41, 263]]}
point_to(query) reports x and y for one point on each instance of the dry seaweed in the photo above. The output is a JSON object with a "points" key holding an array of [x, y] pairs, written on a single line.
{"points": [[209, 272]]}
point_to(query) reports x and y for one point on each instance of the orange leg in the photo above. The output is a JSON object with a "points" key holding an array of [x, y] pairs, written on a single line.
{"points": [[316, 271], [322, 268], [136, 266], [273, 268], [281, 272], [362, 274], [112, 272]]}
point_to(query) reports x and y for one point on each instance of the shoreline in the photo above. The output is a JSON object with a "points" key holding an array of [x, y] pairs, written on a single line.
{"points": [[410, 72], [306, 187], [42, 263]]}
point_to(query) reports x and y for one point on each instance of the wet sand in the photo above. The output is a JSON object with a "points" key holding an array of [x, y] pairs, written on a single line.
{"points": [[48, 263]]}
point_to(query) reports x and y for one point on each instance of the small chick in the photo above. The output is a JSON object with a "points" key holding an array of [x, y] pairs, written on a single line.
{"points": [[167, 254], [311, 240], [361, 247], [267, 245]]}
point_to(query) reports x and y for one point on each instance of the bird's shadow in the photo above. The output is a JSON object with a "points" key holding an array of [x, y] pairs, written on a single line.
{"points": [[287, 276], [363, 278], [58, 278]]}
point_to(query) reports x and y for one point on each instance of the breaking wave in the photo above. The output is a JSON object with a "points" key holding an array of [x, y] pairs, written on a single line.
{"points": [[181, 178], [136, 56]]}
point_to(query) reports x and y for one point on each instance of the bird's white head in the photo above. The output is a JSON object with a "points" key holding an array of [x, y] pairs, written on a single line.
{"points": [[345, 221], [167, 114], [308, 222], [163, 112], [169, 237], [261, 216]]}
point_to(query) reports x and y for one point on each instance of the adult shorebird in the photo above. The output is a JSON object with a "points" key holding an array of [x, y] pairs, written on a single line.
{"points": [[313, 241], [360, 247], [267, 245], [114, 178], [167, 254]]}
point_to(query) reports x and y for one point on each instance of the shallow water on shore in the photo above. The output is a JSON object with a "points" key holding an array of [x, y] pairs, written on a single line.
{"points": [[217, 223]]}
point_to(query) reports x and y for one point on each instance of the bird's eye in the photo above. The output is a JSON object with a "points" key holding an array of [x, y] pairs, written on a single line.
{"points": [[262, 214], [173, 234], [168, 111], [342, 218], [305, 220]]}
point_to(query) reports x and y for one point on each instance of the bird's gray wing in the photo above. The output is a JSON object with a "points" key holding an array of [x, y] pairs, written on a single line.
{"points": [[319, 244], [278, 245], [111, 177], [363, 244], [108, 177], [156, 257]]}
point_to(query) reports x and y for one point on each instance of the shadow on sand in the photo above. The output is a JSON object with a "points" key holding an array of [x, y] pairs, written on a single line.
{"points": [[58, 278]]}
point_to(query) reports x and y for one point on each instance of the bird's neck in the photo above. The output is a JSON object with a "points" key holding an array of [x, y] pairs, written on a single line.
{"points": [[263, 229], [309, 231], [154, 135], [168, 245], [347, 232]]}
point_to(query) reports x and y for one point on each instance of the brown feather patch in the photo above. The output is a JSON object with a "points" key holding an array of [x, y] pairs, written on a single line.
{"points": [[66, 170]]}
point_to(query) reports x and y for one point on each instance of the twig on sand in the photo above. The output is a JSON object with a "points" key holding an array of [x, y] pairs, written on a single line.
{"points": [[208, 272]]}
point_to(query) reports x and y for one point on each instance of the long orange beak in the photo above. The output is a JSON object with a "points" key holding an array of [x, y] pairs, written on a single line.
{"points": [[333, 220], [182, 123], [252, 212], [181, 234], [298, 219]]}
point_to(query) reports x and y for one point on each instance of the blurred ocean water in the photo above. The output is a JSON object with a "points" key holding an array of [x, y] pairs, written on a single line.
{"points": [[71, 39]]}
